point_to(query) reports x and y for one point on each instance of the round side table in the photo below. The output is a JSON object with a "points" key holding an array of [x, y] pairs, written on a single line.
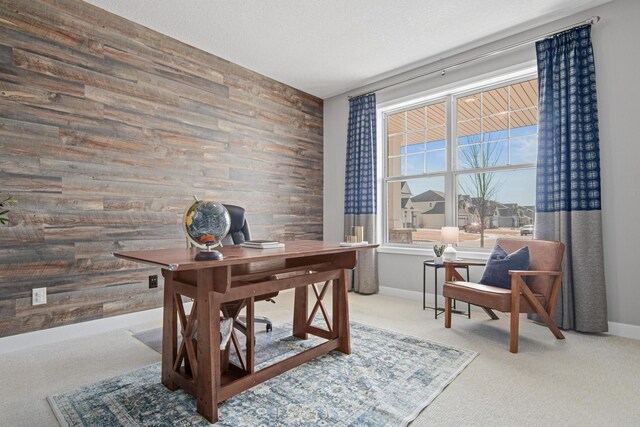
{"points": [[437, 310]]}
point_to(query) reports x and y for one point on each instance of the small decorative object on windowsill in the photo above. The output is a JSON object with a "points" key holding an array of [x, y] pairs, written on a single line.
{"points": [[358, 231], [449, 235], [355, 238], [438, 250]]}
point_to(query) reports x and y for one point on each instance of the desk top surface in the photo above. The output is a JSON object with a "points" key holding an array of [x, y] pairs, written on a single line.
{"points": [[184, 259]]}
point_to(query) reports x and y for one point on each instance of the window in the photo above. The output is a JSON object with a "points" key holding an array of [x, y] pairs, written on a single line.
{"points": [[467, 159], [416, 162]]}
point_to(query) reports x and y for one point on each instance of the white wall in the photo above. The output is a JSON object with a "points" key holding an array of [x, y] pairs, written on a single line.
{"points": [[615, 39]]}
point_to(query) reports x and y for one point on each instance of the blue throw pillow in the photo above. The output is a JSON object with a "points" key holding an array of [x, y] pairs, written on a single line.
{"points": [[496, 273]]}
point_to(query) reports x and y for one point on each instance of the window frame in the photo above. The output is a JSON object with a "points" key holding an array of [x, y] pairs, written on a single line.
{"points": [[451, 172]]}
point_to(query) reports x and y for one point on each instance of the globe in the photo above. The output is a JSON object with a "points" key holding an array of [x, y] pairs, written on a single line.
{"points": [[206, 223]]}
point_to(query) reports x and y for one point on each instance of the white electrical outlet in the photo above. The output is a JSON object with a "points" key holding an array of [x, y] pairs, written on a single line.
{"points": [[39, 296]]}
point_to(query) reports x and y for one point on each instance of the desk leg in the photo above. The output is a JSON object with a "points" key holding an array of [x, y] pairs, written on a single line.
{"points": [[335, 301], [343, 313], [250, 335], [169, 332], [300, 312], [208, 312]]}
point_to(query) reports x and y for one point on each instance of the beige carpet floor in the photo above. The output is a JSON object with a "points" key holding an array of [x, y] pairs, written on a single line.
{"points": [[584, 380]]}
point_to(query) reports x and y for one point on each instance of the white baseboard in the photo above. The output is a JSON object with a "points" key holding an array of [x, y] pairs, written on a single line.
{"points": [[624, 330], [618, 329], [77, 330]]}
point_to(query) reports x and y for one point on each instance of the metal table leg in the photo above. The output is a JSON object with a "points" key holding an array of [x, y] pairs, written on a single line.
{"points": [[435, 292], [424, 286], [437, 310], [468, 304], [454, 310]]}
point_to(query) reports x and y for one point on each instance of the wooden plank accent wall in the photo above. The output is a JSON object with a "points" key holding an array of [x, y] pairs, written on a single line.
{"points": [[107, 129]]}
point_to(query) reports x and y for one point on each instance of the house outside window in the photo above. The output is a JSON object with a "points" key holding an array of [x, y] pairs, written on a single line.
{"points": [[465, 159]]}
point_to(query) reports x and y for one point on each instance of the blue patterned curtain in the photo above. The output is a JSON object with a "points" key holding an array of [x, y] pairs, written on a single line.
{"points": [[568, 175], [360, 186]]}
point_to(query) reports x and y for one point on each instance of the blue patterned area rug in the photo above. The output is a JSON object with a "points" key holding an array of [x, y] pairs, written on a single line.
{"points": [[386, 381]]}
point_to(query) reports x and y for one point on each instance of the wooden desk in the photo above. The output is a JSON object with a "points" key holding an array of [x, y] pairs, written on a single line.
{"points": [[244, 273]]}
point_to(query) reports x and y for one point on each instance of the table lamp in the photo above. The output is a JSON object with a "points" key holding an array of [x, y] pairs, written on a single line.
{"points": [[449, 236]]}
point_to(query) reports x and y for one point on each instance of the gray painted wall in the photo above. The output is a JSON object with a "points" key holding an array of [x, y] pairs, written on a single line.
{"points": [[615, 40]]}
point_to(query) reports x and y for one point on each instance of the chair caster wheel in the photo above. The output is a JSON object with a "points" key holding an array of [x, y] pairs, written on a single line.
{"points": [[269, 327]]}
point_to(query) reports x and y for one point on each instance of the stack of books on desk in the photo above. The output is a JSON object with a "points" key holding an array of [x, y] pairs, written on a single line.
{"points": [[262, 244]]}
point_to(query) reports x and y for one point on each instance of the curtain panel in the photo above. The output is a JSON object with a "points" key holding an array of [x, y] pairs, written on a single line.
{"points": [[568, 175], [360, 198]]}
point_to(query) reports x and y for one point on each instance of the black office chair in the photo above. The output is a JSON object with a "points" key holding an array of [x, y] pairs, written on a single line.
{"points": [[240, 233]]}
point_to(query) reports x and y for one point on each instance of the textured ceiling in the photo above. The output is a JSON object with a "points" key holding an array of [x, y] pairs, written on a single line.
{"points": [[327, 47]]}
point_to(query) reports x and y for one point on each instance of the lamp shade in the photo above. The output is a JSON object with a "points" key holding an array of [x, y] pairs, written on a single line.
{"points": [[449, 235]]}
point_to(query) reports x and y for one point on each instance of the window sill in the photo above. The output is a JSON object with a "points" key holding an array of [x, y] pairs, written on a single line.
{"points": [[464, 253]]}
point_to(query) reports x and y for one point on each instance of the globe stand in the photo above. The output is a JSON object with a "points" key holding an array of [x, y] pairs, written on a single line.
{"points": [[209, 255]]}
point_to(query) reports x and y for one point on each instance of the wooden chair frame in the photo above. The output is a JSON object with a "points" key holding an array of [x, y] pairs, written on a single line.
{"points": [[518, 287]]}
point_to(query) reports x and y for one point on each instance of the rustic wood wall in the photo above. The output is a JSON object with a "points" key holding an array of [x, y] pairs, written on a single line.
{"points": [[107, 129]]}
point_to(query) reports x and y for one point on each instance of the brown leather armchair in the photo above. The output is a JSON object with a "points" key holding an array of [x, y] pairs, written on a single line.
{"points": [[537, 295]]}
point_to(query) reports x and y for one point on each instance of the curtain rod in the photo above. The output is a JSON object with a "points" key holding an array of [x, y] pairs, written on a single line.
{"points": [[442, 70]]}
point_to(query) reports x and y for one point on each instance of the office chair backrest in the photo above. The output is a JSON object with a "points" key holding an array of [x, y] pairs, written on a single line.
{"points": [[239, 231]]}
